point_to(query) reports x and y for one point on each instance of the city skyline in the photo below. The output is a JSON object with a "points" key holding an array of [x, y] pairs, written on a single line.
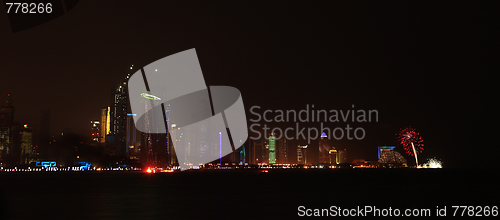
{"points": [[409, 69], [127, 109]]}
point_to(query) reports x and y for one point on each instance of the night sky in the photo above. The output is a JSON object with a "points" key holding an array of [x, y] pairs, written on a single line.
{"points": [[429, 66]]}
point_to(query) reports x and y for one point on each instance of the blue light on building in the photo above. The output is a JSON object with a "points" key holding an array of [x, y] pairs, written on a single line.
{"points": [[382, 148], [46, 164], [84, 165]]}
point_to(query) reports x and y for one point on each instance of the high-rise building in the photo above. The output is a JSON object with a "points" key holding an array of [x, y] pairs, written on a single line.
{"points": [[342, 156], [168, 146], [118, 112], [95, 130], [265, 152], [155, 142], [333, 156], [6, 123], [174, 140], [133, 141], [324, 149], [272, 148], [283, 153], [4, 142], [105, 121], [257, 152], [302, 154], [242, 154], [116, 145], [23, 143], [253, 152]]}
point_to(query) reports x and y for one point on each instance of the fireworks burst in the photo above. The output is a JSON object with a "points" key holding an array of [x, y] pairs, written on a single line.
{"points": [[411, 141], [432, 163]]}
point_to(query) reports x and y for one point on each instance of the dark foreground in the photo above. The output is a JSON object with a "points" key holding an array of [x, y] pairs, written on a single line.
{"points": [[237, 194]]}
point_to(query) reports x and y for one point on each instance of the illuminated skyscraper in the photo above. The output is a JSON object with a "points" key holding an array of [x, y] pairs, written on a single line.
{"points": [[242, 159], [116, 144], [333, 156], [150, 140], [104, 125], [173, 141], [168, 147], [108, 121], [23, 143], [6, 122], [302, 154], [118, 112], [265, 152], [95, 130], [4, 142], [272, 148], [155, 147], [324, 149]]}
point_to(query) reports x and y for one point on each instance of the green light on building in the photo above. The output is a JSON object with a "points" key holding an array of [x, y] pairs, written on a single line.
{"points": [[272, 147], [149, 96]]}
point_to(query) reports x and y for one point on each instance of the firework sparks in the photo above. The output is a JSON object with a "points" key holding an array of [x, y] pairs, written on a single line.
{"points": [[411, 141], [432, 163]]}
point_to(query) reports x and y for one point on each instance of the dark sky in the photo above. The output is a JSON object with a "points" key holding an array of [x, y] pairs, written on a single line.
{"points": [[429, 66]]}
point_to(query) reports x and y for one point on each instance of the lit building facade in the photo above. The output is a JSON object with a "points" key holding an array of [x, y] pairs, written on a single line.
{"points": [[6, 123], [242, 154], [156, 149], [382, 149], [302, 154], [324, 149], [272, 148], [105, 121], [265, 153], [333, 156], [118, 114], [152, 142], [174, 140], [342, 156], [116, 145], [387, 156], [24, 141], [95, 131]]}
